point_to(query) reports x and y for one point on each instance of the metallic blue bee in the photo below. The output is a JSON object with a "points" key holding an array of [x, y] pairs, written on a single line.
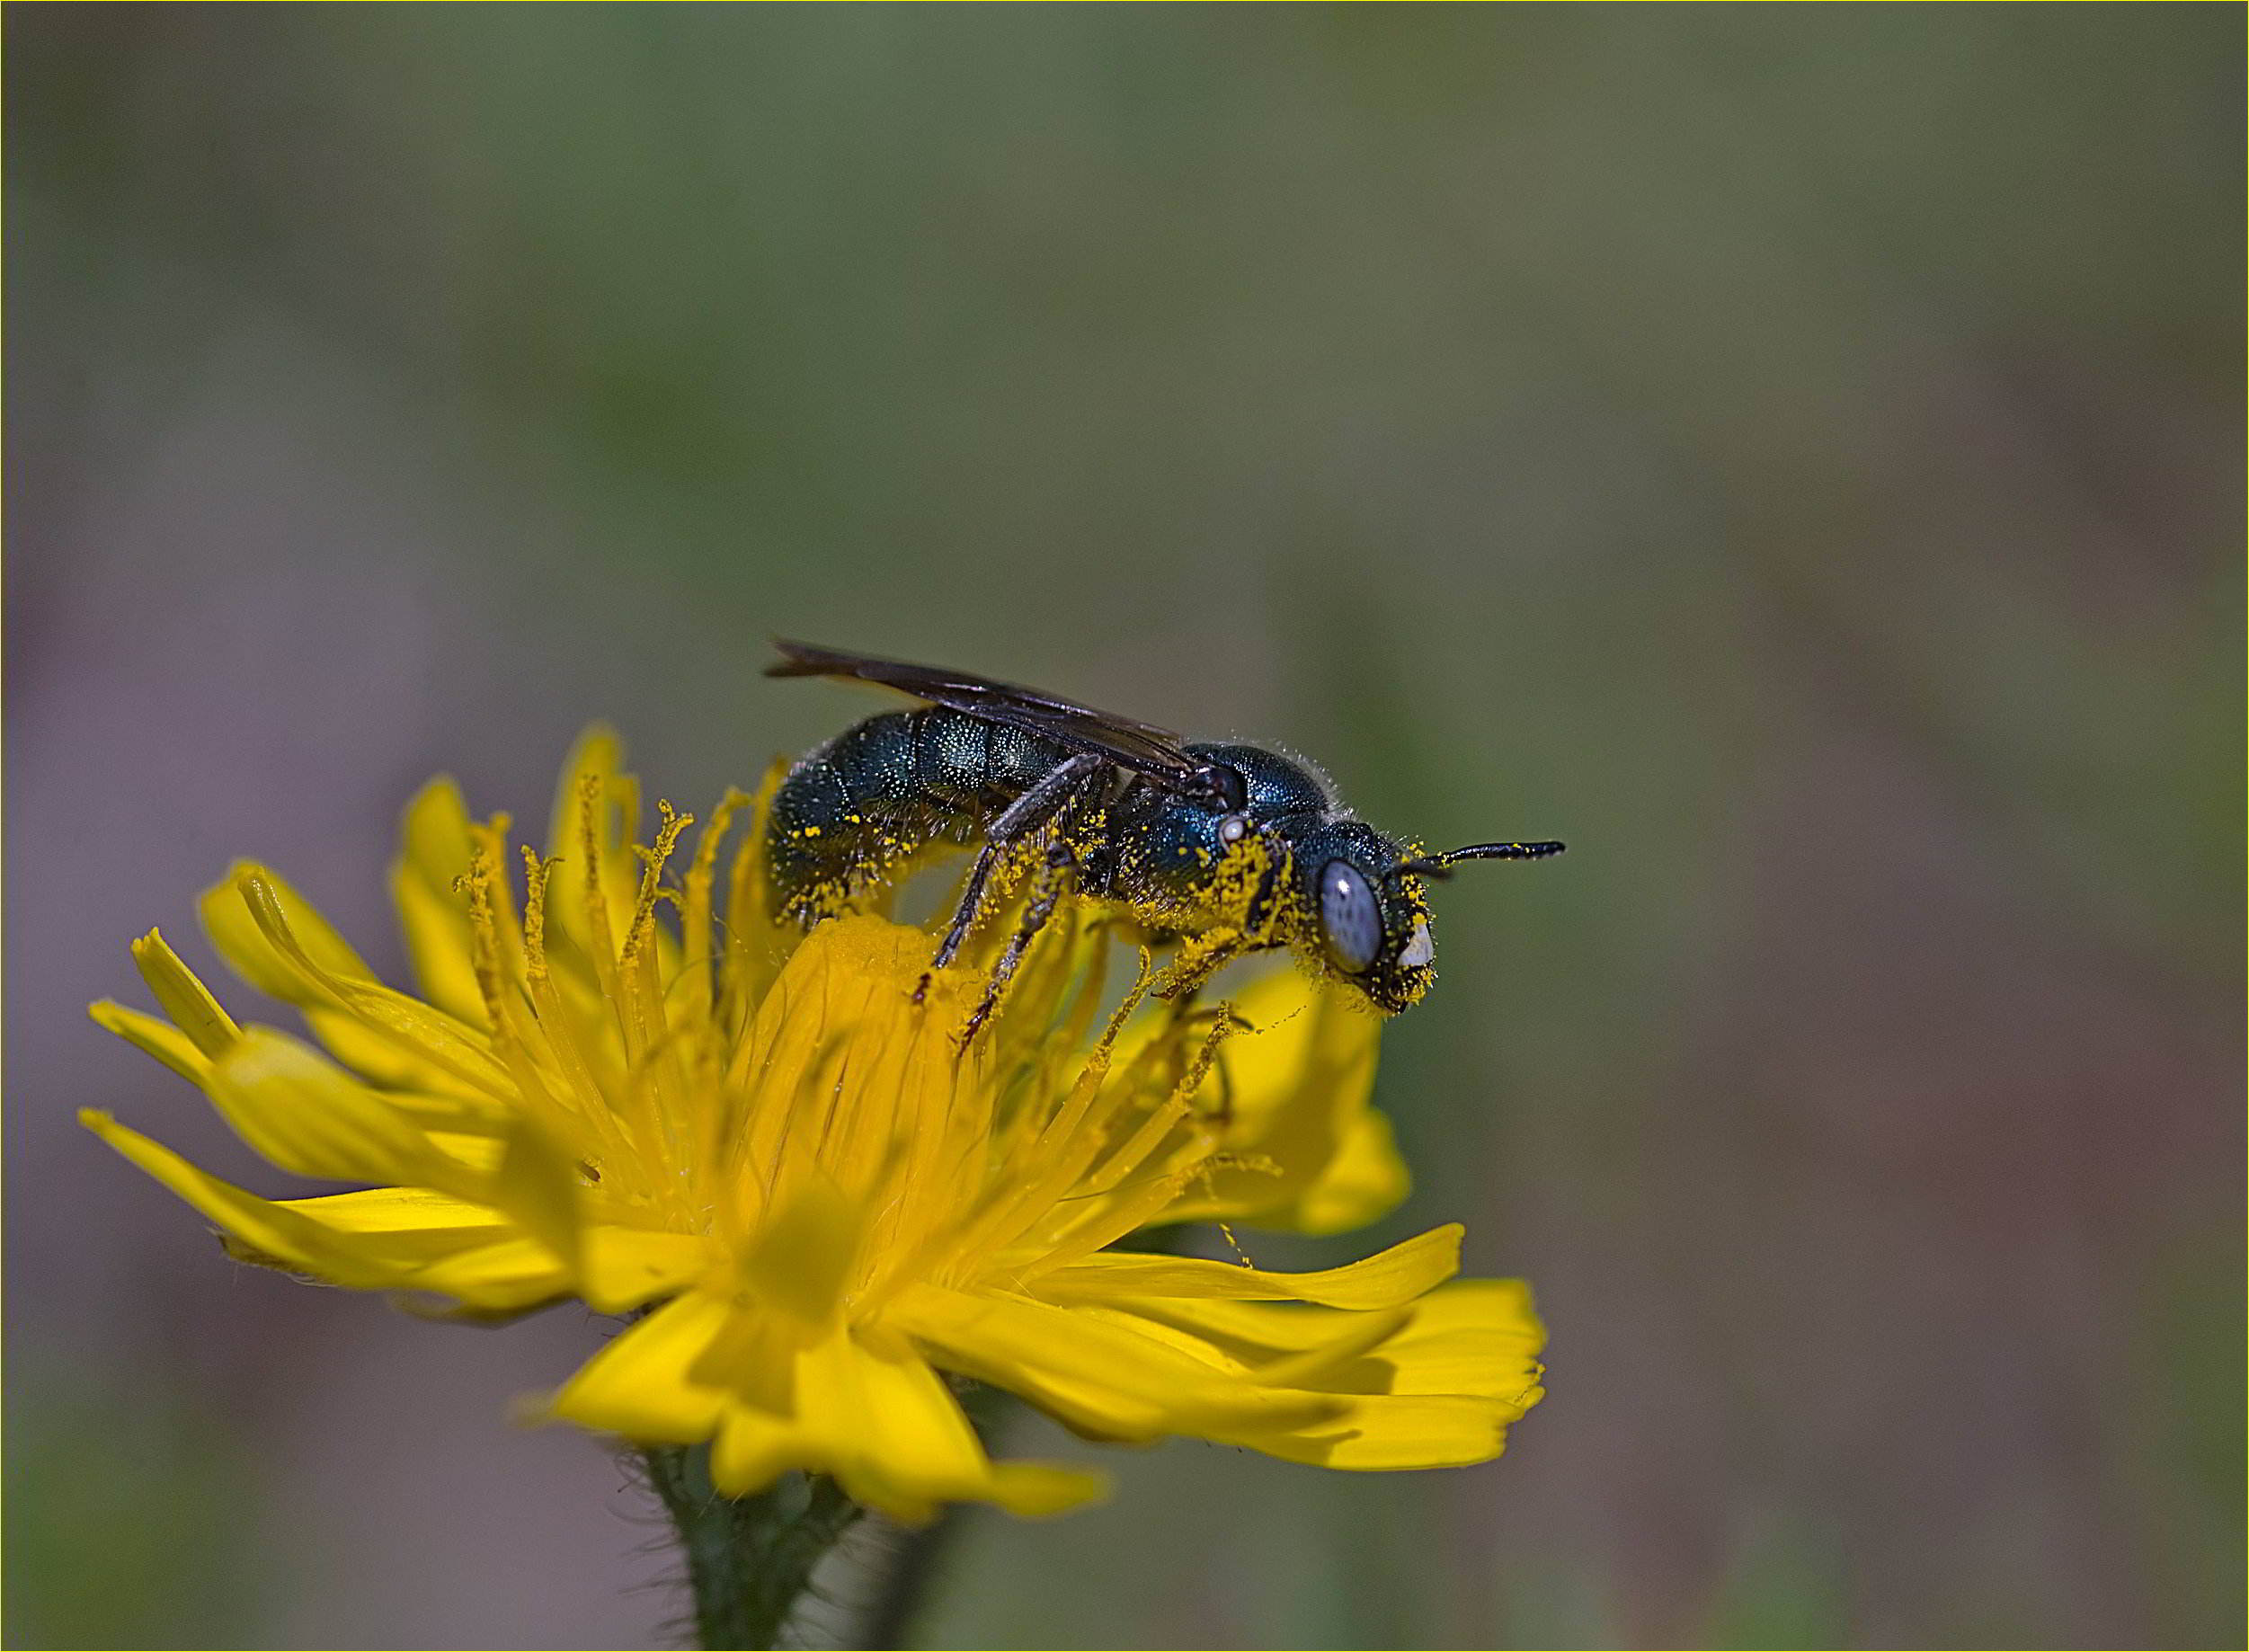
{"points": [[1226, 848]]}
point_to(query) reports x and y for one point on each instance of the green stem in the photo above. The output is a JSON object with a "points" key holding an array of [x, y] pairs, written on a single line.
{"points": [[749, 1558]]}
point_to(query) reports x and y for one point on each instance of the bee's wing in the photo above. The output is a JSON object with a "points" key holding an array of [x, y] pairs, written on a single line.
{"points": [[1142, 747]]}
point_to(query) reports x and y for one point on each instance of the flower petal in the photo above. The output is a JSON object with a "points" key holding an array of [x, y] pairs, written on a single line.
{"points": [[160, 1039], [1384, 1280], [280, 944], [1102, 1378], [393, 1065], [186, 999], [626, 1267], [596, 763], [1403, 1431], [880, 1421], [504, 1277], [800, 1263], [887, 1426], [619, 1268], [434, 850], [1365, 1180], [1438, 1389], [395, 1210], [1313, 1157], [1472, 1337], [756, 945], [641, 1385], [443, 1112], [234, 931], [537, 1184], [310, 1117], [275, 1234]]}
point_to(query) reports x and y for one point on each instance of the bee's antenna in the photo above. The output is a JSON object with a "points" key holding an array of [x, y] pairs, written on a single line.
{"points": [[1441, 865]]}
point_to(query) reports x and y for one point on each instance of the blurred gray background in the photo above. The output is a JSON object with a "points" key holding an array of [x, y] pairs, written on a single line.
{"points": [[1792, 453]]}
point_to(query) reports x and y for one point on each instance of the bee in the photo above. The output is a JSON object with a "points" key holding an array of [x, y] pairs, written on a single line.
{"points": [[1224, 848]]}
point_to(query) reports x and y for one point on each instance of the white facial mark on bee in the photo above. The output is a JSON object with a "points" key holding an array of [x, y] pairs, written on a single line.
{"points": [[1233, 829], [1419, 949]]}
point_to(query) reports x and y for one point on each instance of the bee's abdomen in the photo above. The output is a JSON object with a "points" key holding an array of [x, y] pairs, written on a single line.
{"points": [[850, 812]]}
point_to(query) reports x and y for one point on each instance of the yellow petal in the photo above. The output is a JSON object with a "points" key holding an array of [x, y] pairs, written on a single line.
{"points": [[754, 1448], [572, 924], [385, 1062], [480, 1154], [396, 1210], [478, 1255], [537, 1184], [1364, 1181], [641, 1385], [1100, 1376], [160, 1039], [1473, 1336], [233, 930], [311, 966], [870, 1412], [887, 1426], [1435, 1385], [264, 1230], [756, 945], [1327, 1365], [1315, 1158], [1040, 1490], [309, 1117], [1307, 1036], [625, 1268], [506, 1277], [306, 970], [443, 1113], [1402, 1431], [434, 850], [1384, 1280], [186, 999], [804, 1258]]}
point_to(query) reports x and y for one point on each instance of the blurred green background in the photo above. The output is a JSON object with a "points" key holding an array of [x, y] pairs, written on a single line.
{"points": [[1792, 453]]}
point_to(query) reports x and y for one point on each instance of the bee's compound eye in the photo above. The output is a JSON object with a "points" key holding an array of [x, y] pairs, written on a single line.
{"points": [[1233, 829], [1350, 918]]}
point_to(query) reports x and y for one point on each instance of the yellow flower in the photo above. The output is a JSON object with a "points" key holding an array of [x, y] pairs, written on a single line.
{"points": [[655, 1099]]}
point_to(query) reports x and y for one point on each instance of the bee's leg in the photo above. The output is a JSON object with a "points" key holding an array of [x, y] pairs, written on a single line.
{"points": [[1038, 803], [963, 915], [1061, 865]]}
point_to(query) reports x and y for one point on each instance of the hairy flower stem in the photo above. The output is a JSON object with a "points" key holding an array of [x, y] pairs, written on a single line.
{"points": [[749, 1558]]}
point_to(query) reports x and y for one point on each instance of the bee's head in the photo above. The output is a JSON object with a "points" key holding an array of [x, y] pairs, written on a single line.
{"points": [[1369, 907], [1369, 924]]}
